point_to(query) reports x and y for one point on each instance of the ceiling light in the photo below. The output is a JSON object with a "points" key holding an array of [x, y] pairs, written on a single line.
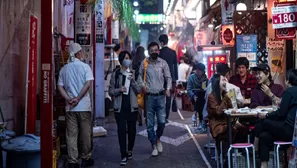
{"points": [[241, 7], [210, 26], [136, 12], [135, 3]]}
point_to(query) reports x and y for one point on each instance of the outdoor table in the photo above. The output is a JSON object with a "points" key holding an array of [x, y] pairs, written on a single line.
{"points": [[251, 114]]}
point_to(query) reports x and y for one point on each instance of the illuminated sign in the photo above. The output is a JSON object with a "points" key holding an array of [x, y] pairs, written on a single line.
{"points": [[150, 18]]}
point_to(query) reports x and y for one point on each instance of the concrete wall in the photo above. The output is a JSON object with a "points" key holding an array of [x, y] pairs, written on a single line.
{"points": [[14, 23]]}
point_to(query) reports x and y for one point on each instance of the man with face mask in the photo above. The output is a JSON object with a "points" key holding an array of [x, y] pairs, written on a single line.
{"points": [[75, 79], [157, 72], [266, 90]]}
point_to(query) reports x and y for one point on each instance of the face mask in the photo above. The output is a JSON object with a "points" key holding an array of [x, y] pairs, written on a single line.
{"points": [[154, 56], [126, 63]]}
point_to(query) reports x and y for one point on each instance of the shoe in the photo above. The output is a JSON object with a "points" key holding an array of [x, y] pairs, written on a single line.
{"points": [[73, 165], [124, 161], [130, 155], [159, 147], [87, 163], [194, 118], [155, 152]]}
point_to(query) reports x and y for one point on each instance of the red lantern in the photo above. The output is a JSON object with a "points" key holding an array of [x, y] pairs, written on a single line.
{"points": [[83, 1]]}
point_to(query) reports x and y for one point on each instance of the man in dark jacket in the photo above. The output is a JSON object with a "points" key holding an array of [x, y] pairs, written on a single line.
{"points": [[170, 57]]}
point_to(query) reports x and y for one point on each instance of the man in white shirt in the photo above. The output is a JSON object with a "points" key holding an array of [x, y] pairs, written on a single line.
{"points": [[75, 79], [183, 69]]}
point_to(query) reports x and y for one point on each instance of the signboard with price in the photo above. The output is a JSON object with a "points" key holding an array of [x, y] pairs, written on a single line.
{"points": [[284, 20], [83, 23], [284, 17]]}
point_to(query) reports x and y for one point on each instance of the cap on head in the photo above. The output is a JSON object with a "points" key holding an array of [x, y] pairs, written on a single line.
{"points": [[74, 48], [261, 67], [200, 67]]}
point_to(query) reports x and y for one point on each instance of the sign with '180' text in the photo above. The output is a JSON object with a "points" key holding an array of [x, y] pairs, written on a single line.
{"points": [[284, 16]]}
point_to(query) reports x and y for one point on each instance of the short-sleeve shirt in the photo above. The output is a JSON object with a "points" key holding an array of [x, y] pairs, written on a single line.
{"points": [[73, 77], [246, 87]]}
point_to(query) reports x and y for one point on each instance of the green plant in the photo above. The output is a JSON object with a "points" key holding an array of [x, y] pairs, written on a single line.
{"points": [[125, 11]]}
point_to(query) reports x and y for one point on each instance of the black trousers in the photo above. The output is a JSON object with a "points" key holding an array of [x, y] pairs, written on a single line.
{"points": [[125, 121], [199, 104], [269, 131]]}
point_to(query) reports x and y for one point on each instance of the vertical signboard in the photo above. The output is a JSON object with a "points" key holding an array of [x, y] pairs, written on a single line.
{"points": [[227, 12], [99, 59], [31, 81], [276, 59], [246, 46], [83, 23]]}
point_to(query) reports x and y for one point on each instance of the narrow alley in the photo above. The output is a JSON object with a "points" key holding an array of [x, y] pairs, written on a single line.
{"points": [[182, 147]]}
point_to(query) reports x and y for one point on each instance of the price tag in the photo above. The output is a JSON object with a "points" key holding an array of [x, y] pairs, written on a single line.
{"points": [[284, 17]]}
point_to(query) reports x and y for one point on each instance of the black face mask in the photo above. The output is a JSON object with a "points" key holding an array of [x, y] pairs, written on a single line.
{"points": [[154, 56]]}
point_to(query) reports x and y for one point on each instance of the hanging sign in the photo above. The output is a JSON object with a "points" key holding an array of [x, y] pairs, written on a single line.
{"points": [[228, 35], [285, 33], [83, 23], [284, 17], [227, 9]]}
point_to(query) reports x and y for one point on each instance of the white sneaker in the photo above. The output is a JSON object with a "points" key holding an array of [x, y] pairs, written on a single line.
{"points": [[155, 152], [159, 147]]}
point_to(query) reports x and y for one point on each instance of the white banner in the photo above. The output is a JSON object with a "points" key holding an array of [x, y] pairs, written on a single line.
{"points": [[99, 60]]}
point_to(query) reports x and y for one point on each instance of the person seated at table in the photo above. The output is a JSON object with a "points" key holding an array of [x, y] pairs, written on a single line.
{"points": [[224, 70], [218, 101], [266, 90], [243, 79], [278, 125]]}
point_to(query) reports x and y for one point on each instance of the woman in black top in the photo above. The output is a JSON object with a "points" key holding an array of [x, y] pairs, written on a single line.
{"points": [[125, 104], [278, 125]]}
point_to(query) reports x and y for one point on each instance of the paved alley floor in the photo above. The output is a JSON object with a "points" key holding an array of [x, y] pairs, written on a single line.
{"points": [[182, 147]]}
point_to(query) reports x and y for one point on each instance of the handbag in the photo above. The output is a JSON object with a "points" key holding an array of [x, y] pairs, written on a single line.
{"points": [[140, 96]]}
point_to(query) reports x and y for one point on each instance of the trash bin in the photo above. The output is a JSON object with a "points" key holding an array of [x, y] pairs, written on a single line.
{"points": [[22, 152]]}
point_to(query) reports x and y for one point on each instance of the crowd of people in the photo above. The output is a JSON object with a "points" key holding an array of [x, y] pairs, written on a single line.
{"points": [[156, 77]]}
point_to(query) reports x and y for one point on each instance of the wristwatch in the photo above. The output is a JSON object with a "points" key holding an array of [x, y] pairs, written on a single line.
{"points": [[266, 115]]}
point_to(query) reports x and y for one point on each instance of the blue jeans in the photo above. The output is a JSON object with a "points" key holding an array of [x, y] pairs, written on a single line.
{"points": [[155, 106]]}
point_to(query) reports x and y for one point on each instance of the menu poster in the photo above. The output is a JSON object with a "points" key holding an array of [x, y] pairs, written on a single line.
{"points": [[83, 23], [276, 59]]}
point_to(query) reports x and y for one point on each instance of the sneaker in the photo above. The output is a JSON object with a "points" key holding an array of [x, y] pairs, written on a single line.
{"points": [[130, 155], [124, 161], [194, 118], [159, 147], [155, 152], [87, 163]]}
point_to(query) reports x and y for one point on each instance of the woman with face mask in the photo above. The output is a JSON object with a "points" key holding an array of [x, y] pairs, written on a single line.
{"points": [[123, 89]]}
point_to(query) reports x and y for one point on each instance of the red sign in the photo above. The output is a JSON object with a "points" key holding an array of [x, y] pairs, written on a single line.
{"points": [[228, 35], [212, 61], [286, 33], [284, 15], [31, 95]]}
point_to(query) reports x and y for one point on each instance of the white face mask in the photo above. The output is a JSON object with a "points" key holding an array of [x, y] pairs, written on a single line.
{"points": [[126, 63]]}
